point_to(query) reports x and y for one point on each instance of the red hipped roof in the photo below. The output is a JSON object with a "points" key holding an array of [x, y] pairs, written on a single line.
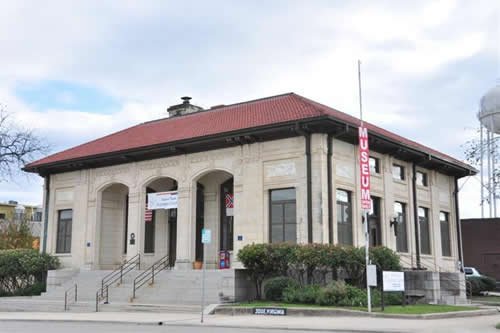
{"points": [[266, 111]]}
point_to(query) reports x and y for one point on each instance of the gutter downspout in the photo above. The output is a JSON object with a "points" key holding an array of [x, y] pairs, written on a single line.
{"points": [[459, 228], [415, 213], [46, 212], [330, 189], [307, 136]]}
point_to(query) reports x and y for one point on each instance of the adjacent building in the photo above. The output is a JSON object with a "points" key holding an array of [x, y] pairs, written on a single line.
{"points": [[482, 245], [277, 169]]}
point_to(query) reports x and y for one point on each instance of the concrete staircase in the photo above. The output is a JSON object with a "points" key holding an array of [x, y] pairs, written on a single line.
{"points": [[173, 290]]}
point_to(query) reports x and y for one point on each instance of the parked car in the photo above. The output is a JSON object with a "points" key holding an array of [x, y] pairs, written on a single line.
{"points": [[471, 271]]}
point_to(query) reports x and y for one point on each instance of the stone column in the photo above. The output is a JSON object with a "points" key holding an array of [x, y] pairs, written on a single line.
{"points": [[185, 227], [135, 220]]}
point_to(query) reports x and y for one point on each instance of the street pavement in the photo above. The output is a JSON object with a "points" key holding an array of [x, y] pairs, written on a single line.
{"points": [[188, 322]]}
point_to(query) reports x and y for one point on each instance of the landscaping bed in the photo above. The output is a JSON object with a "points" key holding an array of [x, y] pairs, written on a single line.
{"points": [[392, 309], [418, 311]]}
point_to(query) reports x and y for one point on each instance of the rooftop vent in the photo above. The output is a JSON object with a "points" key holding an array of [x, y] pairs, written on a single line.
{"points": [[184, 108]]}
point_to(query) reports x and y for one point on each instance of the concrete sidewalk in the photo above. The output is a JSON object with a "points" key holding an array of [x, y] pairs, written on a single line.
{"points": [[344, 324]]}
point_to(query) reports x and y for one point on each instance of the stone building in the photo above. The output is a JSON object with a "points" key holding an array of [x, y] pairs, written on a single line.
{"points": [[289, 164]]}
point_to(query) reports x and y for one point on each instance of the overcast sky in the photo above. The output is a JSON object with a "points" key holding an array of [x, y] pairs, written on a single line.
{"points": [[78, 70]]}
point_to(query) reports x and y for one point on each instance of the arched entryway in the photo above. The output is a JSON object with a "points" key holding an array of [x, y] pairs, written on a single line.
{"points": [[159, 225], [113, 216], [214, 210]]}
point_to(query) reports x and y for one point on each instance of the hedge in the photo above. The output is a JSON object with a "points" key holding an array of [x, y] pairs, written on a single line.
{"points": [[24, 270], [480, 284], [312, 262]]}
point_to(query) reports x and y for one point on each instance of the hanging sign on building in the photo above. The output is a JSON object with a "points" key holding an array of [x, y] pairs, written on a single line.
{"points": [[229, 204], [364, 167], [163, 200]]}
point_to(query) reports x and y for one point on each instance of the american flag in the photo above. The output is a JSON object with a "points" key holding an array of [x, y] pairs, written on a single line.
{"points": [[148, 215]]}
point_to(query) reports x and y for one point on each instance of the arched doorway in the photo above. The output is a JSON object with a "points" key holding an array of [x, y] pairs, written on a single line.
{"points": [[160, 225], [113, 225], [214, 211]]}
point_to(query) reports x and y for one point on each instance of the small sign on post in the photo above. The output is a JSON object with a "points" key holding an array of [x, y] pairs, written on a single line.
{"points": [[372, 275], [206, 236]]}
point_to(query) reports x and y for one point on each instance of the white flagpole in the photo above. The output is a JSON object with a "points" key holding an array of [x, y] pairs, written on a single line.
{"points": [[367, 253]]}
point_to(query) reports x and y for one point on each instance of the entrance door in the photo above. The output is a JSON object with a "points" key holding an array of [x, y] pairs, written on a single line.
{"points": [[227, 218]]}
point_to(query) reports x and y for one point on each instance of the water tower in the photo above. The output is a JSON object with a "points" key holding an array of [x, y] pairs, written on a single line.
{"points": [[489, 117]]}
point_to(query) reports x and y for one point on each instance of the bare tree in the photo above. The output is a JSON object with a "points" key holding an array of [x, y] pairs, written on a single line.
{"points": [[18, 146], [474, 150]]}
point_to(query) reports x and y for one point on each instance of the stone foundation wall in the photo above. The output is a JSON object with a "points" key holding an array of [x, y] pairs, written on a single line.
{"points": [[436, 287]]}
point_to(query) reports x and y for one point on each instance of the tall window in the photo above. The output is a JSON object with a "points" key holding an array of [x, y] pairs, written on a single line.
{"points": [[425, 239], [374, 165], [125, 227], [374, 218], [227, 220], [402, 237], [344, 217], [283, 216], [398, 172], [64, 229], [421, 178], [149, 227], [445, 234]]}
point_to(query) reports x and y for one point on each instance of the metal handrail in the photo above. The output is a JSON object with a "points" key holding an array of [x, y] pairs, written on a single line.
{"points": [[68, 293], [103, 292], [118, 273], [100, 295], [149, 274]]}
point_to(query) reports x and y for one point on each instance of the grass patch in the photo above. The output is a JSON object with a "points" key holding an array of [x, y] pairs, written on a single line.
{"points": [[498, 326], [493, 299], [391, 309], [424, 309]]}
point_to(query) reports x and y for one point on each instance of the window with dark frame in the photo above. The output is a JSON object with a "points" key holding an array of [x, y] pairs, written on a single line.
{"points": [[2, 216], [344, 217], [425, 240], [149, 229], [374, 165], [445, 234], [421, 178], [283, 216], [125, 227], [374, 218], [402, 237], [398, 172], [64, 231]]}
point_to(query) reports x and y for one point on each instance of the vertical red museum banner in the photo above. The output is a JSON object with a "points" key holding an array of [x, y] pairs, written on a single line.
{"points": [[364, 166]]}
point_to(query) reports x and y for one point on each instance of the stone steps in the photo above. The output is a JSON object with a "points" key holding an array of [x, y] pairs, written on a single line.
{"points": [[170, 287]]}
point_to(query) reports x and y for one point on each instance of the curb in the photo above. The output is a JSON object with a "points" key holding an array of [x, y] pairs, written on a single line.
{"points": [[178, 323], [308, 312]]}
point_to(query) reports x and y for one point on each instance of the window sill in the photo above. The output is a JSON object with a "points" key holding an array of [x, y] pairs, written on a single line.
{"points": [[376, 175], [62, 254], [423, 188], [397, 181], [148, 254]]}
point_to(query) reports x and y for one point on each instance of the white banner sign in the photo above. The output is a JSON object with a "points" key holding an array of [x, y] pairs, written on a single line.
{"points": [[163, 200], [394, 281]]}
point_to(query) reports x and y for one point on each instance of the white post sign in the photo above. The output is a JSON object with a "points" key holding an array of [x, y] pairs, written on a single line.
{"points": [[372, 275], [163, 200], [394, 281]]}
